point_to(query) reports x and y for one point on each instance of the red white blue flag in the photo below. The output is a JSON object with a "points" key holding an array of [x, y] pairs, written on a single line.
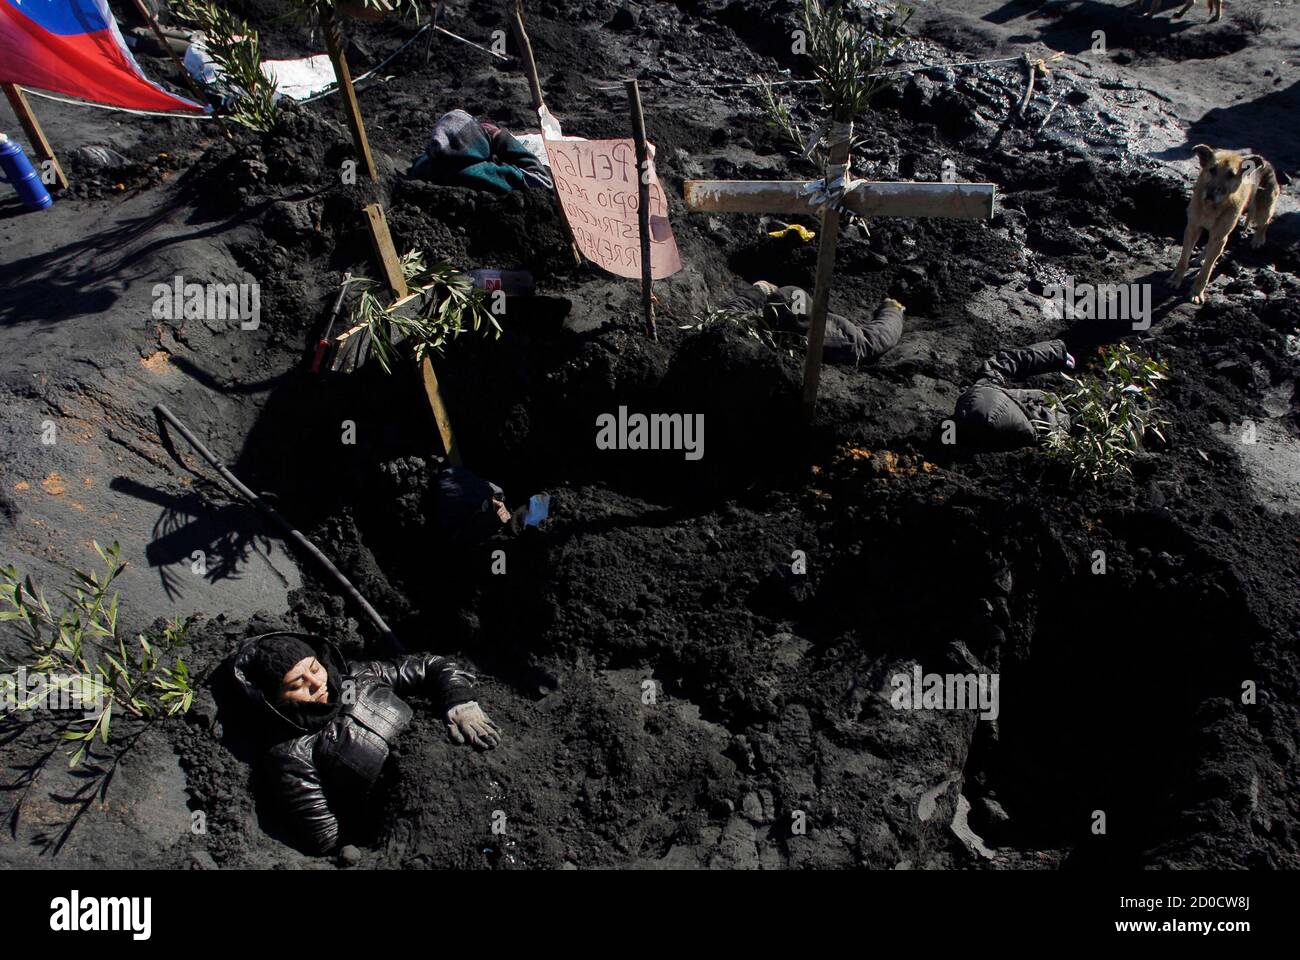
{"points": [[74, 47]]}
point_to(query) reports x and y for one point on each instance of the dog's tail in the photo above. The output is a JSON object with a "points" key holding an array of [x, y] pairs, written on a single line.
{"points": [[1267, 187], [1268, 178]]}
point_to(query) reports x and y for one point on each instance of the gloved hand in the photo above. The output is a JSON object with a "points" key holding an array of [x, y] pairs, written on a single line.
{"points": [[466, 722]]}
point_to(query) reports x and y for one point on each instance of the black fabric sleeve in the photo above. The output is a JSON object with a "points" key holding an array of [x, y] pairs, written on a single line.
{"points": [[844, 341], [1007, 366], [746, 299], [297, 783], [439, 678], [884, 330]]}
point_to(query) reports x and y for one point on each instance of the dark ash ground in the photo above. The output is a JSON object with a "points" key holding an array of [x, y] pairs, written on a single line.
{"points": [[1120, 692]]}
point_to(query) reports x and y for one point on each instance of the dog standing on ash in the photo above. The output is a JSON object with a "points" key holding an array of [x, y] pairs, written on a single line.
{"points": [[1230, 184]]}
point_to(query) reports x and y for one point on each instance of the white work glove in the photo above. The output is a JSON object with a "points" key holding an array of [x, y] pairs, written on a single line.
{"points": [[466, 722]]}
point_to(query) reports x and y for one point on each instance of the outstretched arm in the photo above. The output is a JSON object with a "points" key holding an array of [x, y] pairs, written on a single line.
{"points": [[883, 331], [427, 674], [1008, 366], [443, 680]]}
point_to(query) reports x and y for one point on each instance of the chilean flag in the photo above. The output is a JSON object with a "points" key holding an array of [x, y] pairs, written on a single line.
{"points": [[74, 47]]}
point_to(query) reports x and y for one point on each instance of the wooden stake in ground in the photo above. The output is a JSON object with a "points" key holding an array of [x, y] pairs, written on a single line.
{"points": [[329, 25], [193, 84], [837, 168], [32, 127], [391, 267], [643, 204], [515, 10], [382, 242], [433, 26], [1035, 68], [961, 201]]}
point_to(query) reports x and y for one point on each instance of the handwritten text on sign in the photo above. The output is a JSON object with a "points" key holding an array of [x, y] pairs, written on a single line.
{"points": [[597, 185]]}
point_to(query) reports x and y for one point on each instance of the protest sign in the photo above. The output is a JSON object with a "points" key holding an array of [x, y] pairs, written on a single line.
{"points": [[596, 182]]}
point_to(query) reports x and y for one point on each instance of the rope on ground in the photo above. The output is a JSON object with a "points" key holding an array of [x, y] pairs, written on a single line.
{"points": [[887, 73], [394, 55], [373, 70], [105, 106], [476, 46], [324, 93]]}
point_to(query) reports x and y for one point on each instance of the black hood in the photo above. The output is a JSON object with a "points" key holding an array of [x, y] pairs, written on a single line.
{"points": [[326, 652]]}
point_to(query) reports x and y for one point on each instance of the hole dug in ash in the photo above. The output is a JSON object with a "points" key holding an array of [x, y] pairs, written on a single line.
{"points": [[1105, 715]]}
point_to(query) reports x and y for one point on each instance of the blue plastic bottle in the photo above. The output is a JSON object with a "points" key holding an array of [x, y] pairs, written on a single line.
{"points": [[17, 170]]}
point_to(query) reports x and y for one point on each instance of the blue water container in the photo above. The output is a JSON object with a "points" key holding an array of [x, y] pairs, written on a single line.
{"points": [[17, 170]]}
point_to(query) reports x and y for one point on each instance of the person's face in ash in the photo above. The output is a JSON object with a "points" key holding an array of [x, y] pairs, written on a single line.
{"points": [[306, 682]]}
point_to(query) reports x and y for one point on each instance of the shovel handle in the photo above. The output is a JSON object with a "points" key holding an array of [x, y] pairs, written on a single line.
{"points": [[323, 344], [319, 358]]}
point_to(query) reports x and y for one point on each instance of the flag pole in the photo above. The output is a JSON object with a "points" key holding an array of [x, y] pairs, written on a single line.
{"points": [[32, 127], [145, 12]]}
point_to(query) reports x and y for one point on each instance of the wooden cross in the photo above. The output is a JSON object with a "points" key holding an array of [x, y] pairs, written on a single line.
{"points": [[390, 266], [515, 13], [959, 201]]}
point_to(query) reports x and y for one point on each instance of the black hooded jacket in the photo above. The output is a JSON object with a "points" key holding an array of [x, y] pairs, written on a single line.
{"points": [[316, 773]]}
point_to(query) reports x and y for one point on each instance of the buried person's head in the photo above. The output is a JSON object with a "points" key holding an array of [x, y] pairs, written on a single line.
{"points": [[283, 667], [296, 681], [469, 509], [993, 414]]}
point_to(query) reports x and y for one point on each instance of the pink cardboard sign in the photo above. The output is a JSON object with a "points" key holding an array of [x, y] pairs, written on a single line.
{"points": [[596, 183]]}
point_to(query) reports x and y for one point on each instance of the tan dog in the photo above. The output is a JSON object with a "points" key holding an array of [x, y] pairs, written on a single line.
{"points": [[1214, 6], [1230, 184]]}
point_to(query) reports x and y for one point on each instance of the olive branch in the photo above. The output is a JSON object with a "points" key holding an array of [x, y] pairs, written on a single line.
{"points": [[447, 305], [81, 647]]}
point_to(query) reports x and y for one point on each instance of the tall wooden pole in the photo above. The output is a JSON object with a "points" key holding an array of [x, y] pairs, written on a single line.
{"points": [[433, 23], [643, 204], [351, 109], [193, 84], [516, 12], [381, 240], [837, 166], [526, 52], [32, 127]]}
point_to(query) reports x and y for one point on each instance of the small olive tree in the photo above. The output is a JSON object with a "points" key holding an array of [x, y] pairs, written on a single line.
{"points": [[847, 55], [1111, 413]]}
